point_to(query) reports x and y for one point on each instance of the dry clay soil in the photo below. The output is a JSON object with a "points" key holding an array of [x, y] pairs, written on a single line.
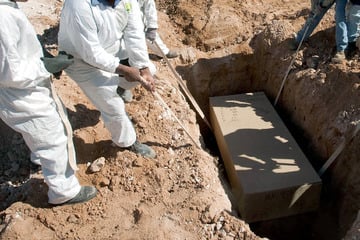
{"points": [[226, 47]]}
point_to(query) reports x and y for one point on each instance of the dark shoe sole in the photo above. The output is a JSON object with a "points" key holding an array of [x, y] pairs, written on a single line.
{"points": [[172, 55], [86, 193], [146, 151]]}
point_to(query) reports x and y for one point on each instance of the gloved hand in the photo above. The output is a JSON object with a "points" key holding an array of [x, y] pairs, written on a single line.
{"points": [[151, 34], [56, 64]]}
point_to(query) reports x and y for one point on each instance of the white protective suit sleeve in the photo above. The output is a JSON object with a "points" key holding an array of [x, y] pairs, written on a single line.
{"points": [[86, 32], [134, 37], [20, 52], [148, 9]]}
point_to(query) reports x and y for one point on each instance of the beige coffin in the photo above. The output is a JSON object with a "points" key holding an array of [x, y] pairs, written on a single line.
{"points": [[268, 172]]}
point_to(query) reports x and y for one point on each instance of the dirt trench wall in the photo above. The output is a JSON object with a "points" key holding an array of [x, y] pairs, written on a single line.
{"points": [[217, 75], [319, 101], [322, 101]]}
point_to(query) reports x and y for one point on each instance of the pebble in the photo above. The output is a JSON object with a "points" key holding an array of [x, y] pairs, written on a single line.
{"points": [[356, 86], [74, 218], [97, 165]]}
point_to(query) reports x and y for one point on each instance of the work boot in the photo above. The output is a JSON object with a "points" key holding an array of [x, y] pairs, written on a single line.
{"points": [[125, 94], [293, 44], [172, 54], [142, 149], [86, 193], [351, 50], [339, 57]]}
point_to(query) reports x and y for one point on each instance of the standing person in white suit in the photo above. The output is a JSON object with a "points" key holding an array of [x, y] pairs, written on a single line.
{"points": [[148, 9], [26, 105], [92, 32]]}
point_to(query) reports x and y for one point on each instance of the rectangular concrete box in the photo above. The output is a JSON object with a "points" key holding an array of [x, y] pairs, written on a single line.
{"points": [[269, 174]]}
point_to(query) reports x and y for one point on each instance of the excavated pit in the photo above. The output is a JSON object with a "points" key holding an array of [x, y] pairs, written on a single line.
{"points": [[249, 53], [316, 113]]}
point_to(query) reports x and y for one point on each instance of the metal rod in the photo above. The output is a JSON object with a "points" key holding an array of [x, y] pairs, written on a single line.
{"points": [[289, 68], [159, 98], [338, 150], [183, 87]]}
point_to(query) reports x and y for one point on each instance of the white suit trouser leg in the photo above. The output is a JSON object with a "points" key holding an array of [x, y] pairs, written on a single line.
{"points": [[161, 44], [32, 112], [100, 87]]}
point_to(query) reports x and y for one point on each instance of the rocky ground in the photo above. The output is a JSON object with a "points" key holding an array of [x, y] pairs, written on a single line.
{"points": [[226, 47]]}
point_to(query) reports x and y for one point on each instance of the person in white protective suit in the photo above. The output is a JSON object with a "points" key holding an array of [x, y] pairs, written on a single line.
{"points": [[148, 9], [91, 31], [27, 106], [122, 20]]}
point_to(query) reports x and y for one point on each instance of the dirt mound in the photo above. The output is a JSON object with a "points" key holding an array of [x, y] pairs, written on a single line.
{"points": [[226, 47]]}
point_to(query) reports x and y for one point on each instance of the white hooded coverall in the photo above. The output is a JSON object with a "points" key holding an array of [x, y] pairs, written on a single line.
{"points": [[92, 34], [26, 104], [149, 15]]}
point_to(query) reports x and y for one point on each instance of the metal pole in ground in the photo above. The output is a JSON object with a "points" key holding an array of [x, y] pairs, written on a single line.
{"points": [[289, 68], [338, 150], [183, 87], [159, 98]]}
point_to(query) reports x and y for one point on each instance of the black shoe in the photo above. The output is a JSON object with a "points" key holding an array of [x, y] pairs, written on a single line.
{"points": [[339, 57], [86, 193], [172, 54], [293, 44], [142, 149], [351, 50], [154, 57]]}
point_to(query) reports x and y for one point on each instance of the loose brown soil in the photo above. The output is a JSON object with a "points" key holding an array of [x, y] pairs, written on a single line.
{"points": [[226, 47]]}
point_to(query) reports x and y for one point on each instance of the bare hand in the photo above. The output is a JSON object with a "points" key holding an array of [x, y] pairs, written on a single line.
{"points": [[132, 74], [147, 80]]}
